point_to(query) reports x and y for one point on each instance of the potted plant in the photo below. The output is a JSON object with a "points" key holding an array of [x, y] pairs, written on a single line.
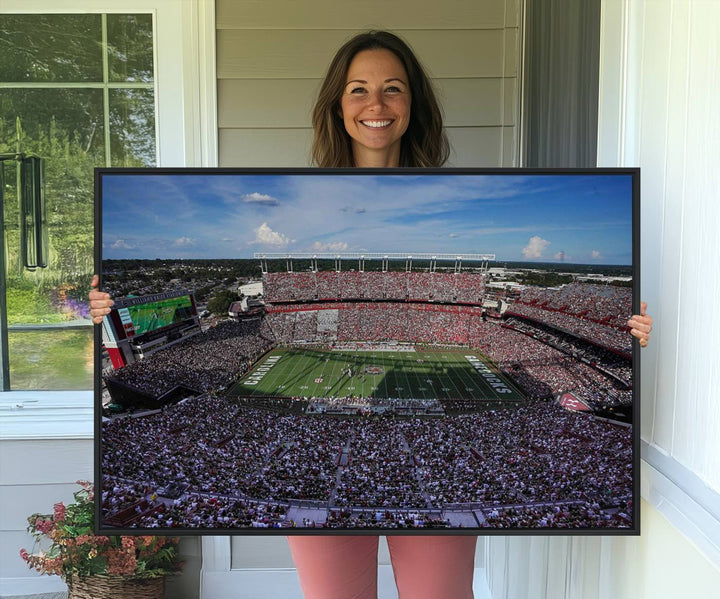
{"points": [[96, 566]]}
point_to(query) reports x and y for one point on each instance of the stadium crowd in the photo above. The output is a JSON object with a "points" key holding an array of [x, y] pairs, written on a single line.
{"points": [[597, 313], [249, 465], [387, 519], [461, 287], [601, 303], [377, 321], [618, 365], [570, 515], [380, 473], [538, 452], [207, 361], [216, 462]]}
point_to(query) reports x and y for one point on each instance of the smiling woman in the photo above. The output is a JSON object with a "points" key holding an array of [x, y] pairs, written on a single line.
{"points": [[363, 114], [375, 107]]}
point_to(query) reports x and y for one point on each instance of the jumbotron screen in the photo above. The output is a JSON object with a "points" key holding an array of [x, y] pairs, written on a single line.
{"points": [[147, 316]]}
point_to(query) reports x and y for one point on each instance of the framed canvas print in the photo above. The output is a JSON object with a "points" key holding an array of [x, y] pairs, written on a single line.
{"points": [[312, 351]]}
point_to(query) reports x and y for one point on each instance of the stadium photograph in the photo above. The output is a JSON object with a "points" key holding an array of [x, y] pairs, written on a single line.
{"points": [[312, 351]]}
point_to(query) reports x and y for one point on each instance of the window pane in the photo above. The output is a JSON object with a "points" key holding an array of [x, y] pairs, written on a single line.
{"points": [[53, 121], [130, 48], [66, 127], [52, 359], [50, 48], [132, 127]]}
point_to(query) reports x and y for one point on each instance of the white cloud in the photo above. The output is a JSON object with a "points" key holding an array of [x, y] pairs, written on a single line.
{"points": [[560, 256], [337, 246], [260, 198], [227, 240], [535, 247], [453, 235], [184, 242], [120, 244], [266, 236], [595, 254]]}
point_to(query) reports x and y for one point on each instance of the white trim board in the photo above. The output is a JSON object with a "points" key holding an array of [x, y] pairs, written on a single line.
{"points": [[679, 494], [40, 587], [46, 415]]}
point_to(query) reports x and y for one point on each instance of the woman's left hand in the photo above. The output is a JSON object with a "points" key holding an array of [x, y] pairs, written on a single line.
{"points": [[641, 325]]}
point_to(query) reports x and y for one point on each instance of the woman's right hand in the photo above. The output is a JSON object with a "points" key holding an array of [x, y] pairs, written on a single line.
{"points": [[100, 302]]}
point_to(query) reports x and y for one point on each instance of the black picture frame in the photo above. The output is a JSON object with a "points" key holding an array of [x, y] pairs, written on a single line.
{"points": [[555, 494]]}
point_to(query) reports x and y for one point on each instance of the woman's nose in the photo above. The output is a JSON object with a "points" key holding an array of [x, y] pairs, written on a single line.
{"points": [[376, 99]]}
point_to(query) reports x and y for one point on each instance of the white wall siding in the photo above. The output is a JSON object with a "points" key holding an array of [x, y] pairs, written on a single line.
{"points": [[271, 60], [330, 14], [34, 475]]}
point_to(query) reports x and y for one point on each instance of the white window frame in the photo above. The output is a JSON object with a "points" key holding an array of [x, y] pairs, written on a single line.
{"points": [[186, 130]]}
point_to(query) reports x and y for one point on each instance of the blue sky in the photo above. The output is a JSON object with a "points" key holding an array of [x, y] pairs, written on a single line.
{"points": [[536, 218]]}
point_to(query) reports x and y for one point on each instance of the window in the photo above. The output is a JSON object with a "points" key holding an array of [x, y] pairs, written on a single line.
{"points": [[77, 90]]}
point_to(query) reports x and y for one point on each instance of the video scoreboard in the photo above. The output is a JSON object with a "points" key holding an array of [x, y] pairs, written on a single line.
{"points": [[137, 324]]}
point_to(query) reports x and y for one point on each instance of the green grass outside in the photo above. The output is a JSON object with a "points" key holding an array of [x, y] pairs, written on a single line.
{"points": [[51, 360], [31, 306], [424, 374]]}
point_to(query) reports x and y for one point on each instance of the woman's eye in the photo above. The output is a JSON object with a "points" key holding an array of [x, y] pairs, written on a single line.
{"points": [[357, 90], [393, 89]]}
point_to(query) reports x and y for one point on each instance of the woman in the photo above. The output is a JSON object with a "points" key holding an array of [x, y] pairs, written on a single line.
{"points": [[377, 108]]}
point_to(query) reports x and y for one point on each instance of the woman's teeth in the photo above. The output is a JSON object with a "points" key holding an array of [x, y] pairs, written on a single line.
{"points": [[376, 124]]}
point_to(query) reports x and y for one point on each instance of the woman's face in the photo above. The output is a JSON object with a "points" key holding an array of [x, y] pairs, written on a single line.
{"points": [[375, 107]]}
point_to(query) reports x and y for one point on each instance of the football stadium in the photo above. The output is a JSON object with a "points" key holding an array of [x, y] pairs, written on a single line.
{"points": [[383, 399]]}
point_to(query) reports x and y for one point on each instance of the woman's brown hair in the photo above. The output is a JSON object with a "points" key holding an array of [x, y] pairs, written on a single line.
{"points": [[423, 144]]}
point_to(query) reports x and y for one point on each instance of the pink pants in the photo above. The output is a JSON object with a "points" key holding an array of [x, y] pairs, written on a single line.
{"points": [[345, 567]]}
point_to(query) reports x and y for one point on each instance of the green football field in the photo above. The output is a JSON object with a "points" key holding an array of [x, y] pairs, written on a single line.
{"points": [[421, 374]]}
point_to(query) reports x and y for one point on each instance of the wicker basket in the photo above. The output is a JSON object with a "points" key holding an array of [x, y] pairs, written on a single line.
{"points": [[116, 587]]}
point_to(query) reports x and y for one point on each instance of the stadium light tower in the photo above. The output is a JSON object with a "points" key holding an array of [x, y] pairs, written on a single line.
{"points": [[263, 265]]}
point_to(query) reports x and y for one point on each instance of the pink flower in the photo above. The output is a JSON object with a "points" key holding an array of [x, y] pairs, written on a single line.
{"points": [[25, 555], [121, 562], [44, 526], [144, 540], [128, 542], [59, 509]]}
